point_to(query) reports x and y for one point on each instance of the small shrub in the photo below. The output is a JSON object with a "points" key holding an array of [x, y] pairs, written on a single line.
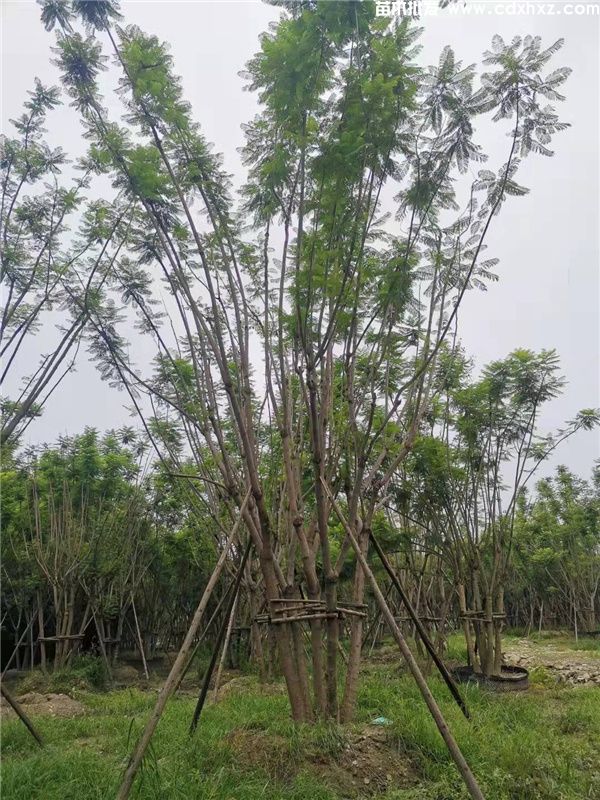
{"points": [[541, 677], [91, 669]]}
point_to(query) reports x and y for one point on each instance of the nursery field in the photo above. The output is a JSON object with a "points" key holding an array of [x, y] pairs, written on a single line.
{"points": [[543, 744], [276, 453]]}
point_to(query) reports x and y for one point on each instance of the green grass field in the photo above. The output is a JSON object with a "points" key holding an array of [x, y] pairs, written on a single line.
{"points": [[540, 745]]}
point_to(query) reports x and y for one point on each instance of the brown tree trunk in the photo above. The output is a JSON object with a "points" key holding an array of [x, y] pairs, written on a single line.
{"points": [[356, 633], [466, 624], [41, 633]]}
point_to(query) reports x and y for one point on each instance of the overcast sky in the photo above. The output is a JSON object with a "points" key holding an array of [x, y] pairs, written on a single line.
{"points": [[548, 242]]}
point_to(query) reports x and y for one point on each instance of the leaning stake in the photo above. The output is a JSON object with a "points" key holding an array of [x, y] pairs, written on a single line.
{"points": [[203, 635], [21, 714], [450, 683], [179, 665], [220, 637], [453, 748]]}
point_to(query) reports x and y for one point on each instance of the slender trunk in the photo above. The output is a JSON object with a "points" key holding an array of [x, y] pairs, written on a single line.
{"points": [[330, 576], [301, 660], [118, 635], [139, 638], [356, 633], [41, 633], [225, 648], [284, 641]]}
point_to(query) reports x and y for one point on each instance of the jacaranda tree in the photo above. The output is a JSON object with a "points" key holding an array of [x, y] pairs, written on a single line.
{"points": [[306, 320]]}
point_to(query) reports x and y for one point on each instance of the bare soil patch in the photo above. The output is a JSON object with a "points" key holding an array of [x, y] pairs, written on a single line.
{"points": [[53, 705], [566, 665], [366, 764]]}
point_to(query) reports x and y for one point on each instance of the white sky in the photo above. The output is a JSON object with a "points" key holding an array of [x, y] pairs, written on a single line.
{"points": [[548, 242]]}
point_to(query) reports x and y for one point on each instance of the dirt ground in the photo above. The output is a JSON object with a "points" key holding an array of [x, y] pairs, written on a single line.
{"points": [[365, 764], [53, 705], [564, 663]]}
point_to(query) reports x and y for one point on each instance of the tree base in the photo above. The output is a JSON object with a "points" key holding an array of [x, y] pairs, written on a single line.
{"points": [[512, 679]]}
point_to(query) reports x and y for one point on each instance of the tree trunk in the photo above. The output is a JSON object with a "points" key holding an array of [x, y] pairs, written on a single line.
{"points": [[453, 748], [41, 633], [356, 633], [225, 647]]}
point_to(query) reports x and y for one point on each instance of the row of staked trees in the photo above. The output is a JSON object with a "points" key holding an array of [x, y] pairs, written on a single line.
{"points": [[307, 387], [91, 536], [93, 533]]}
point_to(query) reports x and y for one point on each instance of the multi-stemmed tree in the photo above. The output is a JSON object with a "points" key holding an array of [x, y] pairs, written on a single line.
{"points": [[464, 483], [350, 314], [305, 323]]}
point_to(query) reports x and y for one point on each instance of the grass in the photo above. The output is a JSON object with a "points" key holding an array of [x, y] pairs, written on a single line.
{"points": [[86, 672], [539, 745], [561, 639]]}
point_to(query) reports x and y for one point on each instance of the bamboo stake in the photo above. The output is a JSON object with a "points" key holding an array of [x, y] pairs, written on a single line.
{"points": [[225, 648], [102, 646], [135, 760], [351, 612], [302, 618], [139, 637], [16, 706], [450, 683], [202, 636], [296, 600], [221, 634], [453, 748], [376, 635]]}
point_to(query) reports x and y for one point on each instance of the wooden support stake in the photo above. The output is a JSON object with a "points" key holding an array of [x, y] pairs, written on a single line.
{"points": [[139, 638], [442, 726], [203, 634], [429, 646], [16, 706], [102, 647], [302, 618], [213, 660], [16, 647], [225, 648], [351, 612], [136, 758], [296, 600]]}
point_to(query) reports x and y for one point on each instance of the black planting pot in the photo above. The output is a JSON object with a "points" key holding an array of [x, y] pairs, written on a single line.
{"points": [[512, 679]]}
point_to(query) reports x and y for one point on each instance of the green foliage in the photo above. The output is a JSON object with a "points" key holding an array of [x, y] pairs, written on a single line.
{"points": [[557, 543]]}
